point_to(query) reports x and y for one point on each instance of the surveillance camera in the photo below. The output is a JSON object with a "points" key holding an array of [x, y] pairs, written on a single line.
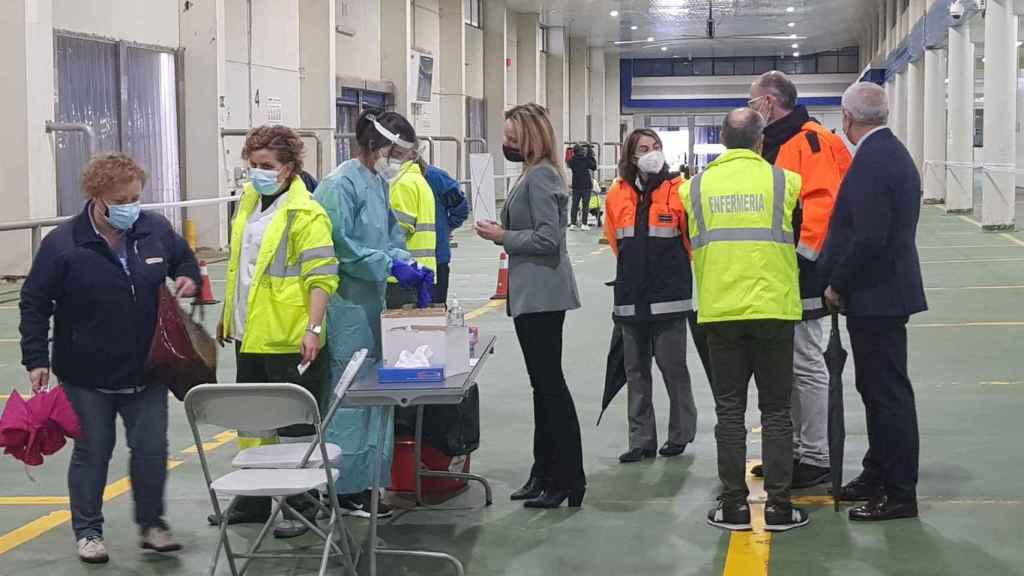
{"points": [[956, 10]]}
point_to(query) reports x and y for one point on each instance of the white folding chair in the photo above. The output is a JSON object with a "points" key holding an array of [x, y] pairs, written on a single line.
{"points": [[302, 454], [267, 407]]}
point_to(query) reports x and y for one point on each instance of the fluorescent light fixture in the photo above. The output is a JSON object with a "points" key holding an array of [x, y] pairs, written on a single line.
{"points": [[664, 48], [796, 54], [792, 36], [614, 13], [795, 45], [633, 27], [650, 38], [790, 9], [791, 24]]}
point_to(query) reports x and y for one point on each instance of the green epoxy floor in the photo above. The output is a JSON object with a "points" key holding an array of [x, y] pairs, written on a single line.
{"points": [[649, 518]]}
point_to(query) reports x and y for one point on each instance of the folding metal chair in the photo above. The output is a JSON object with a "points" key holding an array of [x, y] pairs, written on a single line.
{"points": [[267, 407]]}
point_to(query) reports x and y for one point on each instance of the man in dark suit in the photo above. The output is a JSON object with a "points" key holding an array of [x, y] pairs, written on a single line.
{"points": [[873, 275]]}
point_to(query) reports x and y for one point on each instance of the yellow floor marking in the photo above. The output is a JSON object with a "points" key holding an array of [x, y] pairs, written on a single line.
{"points": [[6, 307], [44, 524], [966, 325], [218, 441], [33, 500], [492, 305], [9, 340], [972, 261], [1013, 239], [749, 552], [1001, 383]]}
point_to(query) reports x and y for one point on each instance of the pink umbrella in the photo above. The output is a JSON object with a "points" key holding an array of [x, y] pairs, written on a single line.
{"points": [[37, 427]]}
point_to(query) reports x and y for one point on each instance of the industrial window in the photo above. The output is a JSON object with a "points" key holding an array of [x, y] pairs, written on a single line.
{"points": [[682, 68], [725, 67], [473, 12], [350, 105], [744, 67], [828, 63], [764, 64], [128, 95], [806, 65], [842, 61], [703, 67]]}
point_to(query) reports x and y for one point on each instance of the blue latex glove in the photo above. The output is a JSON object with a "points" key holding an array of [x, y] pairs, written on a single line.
{"points": [[407, 274], [426, 295]]}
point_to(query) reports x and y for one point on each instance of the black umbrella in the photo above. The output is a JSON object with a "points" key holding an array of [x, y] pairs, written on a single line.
{"points": [[835, 358], [615, 370]]}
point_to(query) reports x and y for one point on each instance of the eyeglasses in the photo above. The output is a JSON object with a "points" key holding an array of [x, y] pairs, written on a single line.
{"points": [[753, 102]]}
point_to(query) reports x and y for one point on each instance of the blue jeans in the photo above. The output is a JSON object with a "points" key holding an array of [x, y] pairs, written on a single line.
{"points": [[145, 421]]}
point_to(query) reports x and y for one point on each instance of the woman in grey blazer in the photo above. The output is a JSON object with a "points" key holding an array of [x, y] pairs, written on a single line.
{"points": [[542, 287]]}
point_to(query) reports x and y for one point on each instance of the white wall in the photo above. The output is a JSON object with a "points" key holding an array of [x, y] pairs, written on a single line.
{"points": [[142, 21], [358, 50], [694, 87], [426, 37], [474, 62]]}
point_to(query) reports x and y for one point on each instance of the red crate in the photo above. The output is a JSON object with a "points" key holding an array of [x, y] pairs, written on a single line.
{"points": [[403, 478]]}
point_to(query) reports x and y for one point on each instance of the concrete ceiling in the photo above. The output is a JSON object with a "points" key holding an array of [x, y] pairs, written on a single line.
{"points": [[826, 24]]}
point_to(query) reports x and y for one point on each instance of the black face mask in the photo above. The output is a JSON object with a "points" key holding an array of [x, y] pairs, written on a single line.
{"points": [[512, 154]]}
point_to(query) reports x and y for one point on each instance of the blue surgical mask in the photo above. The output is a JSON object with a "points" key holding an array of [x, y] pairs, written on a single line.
{"points": [[123, 216], [264, 181]]}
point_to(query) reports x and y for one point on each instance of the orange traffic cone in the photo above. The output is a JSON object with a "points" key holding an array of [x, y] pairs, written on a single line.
{"points": [[501, 292], [206, 293]]}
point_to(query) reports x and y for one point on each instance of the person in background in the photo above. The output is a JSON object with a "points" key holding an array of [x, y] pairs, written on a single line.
{"points": [[451, 210], [413, 202], [98, 276], [582, 164], [542, 287], [873, 274], [595, 204], [369, 245], [281, 272], [646, 229], [739, 213], [794, 141]]}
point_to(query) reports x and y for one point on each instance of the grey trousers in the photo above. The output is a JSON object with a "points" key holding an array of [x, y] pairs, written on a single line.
{"points": [[665, 341], [764, 349], [810, 393]]}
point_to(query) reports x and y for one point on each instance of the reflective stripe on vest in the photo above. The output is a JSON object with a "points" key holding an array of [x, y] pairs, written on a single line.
{"points": [[279, 268], [673, 307], [807, 252], [812, 304], [627, 232], [657, 232], [774, 234]]}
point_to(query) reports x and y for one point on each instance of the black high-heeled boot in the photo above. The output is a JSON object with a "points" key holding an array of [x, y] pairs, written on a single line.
{"points": [[554, 498], [533, 488]]}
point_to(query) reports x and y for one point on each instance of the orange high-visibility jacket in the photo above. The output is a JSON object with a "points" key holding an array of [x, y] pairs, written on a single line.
{"points": [[647, 233]]}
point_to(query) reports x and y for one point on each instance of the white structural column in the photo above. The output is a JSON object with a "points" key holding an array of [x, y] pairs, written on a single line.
{"points": [[26, 155], [528, 57], [317, 83], [960, 150], [495, 64], [890, 26], [914, 111], [597, 96], [612, 113], [452, 100], [396, 52], [1000, 152], [897, 106], [934, 149], [579, 89], [557, 85]]}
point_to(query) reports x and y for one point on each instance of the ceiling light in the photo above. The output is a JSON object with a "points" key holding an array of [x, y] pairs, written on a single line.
{"points": [[650, 38], [796, 54], [664, 48], [791, 24], [633, 27], [796, 45], [1019, 43], [790, 9], [614, 13]]}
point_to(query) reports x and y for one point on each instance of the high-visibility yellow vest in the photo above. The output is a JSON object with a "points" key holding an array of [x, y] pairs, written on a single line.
{"points": [[296, 255], [412, 201], [740, 213]]}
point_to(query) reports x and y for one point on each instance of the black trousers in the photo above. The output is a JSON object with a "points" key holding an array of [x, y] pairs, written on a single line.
{"points": [[764, 349], [557, 446], [578, 197], [700, 341], [440, 289], [880, 361]]}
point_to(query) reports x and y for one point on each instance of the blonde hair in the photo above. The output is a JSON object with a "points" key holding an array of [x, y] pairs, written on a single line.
{"points": [[535, 135]]}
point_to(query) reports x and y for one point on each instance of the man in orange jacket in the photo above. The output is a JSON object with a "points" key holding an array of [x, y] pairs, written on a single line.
{"points": [[796, 142]]}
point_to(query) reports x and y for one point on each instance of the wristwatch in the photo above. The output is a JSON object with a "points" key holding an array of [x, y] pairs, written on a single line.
{"points": [[315, 329]]}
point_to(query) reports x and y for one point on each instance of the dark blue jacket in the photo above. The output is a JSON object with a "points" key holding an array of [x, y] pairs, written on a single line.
{"points": [[870, 257], [451, 207], [103, 319]]}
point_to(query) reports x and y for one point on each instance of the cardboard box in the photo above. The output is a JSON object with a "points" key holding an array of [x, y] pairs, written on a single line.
{"points": [[410, 329]]}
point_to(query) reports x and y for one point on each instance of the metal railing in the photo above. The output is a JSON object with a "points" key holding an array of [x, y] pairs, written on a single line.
{"points": [[84, 129], [303, 133], [36, 225]]}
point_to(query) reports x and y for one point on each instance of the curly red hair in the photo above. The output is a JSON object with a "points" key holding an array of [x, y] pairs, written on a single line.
{"points": [[282, 140], [108, 171]]}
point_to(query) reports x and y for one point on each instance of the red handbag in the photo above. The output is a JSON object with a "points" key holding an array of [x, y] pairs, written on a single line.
{"points": [[183, 354]]}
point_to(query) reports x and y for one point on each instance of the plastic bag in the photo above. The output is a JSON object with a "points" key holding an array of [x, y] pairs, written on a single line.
{"points": [[183, 354]]}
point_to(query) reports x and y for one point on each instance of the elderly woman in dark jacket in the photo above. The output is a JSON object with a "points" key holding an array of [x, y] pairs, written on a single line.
{"points": [[98, 276], [541, 288]]}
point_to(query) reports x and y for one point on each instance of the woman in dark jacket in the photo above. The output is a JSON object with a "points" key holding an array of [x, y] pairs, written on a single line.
{"points": [[541, 288], [99, 277]]}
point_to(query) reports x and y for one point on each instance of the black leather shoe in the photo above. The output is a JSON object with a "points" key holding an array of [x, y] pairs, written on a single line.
{"points": [[239, 517], [859, 490], [635, 455], [807, 475], [758, 470], [533, 488], [881, 509], [668, 449], [554, 499]]}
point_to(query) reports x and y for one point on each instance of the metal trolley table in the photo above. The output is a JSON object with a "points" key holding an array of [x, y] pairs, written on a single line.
{"points": [[368, 391]]}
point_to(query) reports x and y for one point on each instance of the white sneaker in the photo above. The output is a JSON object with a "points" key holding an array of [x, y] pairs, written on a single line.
{"points": [[92, 551], [572, 227], [585, 228], [158, 539]]}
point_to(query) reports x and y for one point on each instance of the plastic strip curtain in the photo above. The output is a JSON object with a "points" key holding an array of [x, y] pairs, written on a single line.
{"points": [[86, 92]]}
